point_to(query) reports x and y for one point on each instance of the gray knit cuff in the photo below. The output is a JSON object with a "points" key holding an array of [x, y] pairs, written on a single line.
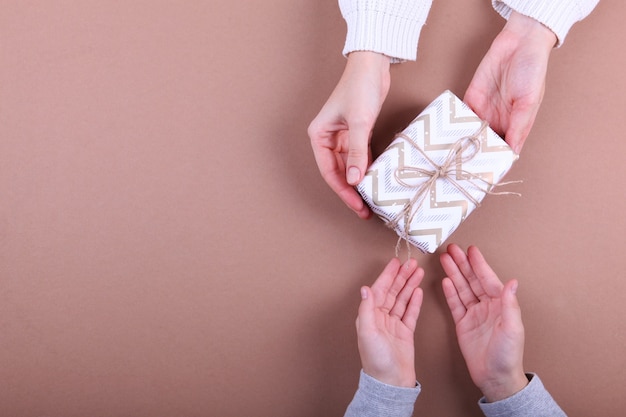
{"points": [[534, 400], [374, 398]]}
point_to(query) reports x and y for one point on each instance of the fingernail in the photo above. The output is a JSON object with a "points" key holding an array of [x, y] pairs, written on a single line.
{"points": [[514, 288], [363, 294], [353, 175]]}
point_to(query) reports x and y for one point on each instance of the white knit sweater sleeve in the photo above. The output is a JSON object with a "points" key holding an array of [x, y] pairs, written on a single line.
{"points": [[390, 27], [558, 15]]}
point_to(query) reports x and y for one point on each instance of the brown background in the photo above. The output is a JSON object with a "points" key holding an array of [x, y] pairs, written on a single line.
{"points": [[168, 247]]}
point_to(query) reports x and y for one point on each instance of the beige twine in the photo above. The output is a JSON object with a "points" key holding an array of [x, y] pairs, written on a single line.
{"points": [[463, 150]]}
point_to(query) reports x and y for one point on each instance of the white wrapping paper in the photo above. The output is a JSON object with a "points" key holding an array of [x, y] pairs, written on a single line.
{"points": [[393, 180]]}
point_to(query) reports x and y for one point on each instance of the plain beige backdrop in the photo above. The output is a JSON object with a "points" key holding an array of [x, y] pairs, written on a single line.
{"points": [[168, 247]]}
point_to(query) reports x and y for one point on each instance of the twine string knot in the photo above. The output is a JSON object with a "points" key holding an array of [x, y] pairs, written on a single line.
{"points": [[451, 169]]}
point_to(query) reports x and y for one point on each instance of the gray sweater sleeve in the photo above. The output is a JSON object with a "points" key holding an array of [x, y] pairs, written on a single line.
{"points": [[533, 401], [376, 399]]}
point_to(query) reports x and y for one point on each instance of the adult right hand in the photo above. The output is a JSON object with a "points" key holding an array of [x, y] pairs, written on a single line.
{"points": [[488, 322], [341, 133]]}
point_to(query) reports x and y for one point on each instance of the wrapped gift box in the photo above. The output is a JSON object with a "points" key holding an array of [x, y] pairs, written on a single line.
{"points": [[436, 172]]}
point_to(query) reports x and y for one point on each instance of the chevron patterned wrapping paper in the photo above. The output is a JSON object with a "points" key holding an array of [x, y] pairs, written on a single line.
{"points": [[390, 189]]}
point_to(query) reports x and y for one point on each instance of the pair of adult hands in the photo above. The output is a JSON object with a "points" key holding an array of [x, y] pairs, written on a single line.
{"points": [[506, 91], [485, 311]]}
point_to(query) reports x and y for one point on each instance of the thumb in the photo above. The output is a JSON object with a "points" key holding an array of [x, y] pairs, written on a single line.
{"points": [[511, 312], [366, 308], [358, 154], [522, 120]]}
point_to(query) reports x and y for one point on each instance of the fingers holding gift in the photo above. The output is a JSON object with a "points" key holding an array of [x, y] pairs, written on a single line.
{"points": [[332, 168]]}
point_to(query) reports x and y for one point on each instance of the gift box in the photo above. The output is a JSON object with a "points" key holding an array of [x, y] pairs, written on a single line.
{"points": [[436, 172]]}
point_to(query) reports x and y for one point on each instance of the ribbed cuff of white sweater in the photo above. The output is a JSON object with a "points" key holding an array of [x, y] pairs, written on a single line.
{"points": [[558, 15], [389, 27]]}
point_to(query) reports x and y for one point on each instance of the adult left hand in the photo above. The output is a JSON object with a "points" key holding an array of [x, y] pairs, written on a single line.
{"points": [[509, 83]]}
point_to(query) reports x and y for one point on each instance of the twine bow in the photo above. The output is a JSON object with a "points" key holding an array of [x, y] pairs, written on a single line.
{"points": [[462, 151]]}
